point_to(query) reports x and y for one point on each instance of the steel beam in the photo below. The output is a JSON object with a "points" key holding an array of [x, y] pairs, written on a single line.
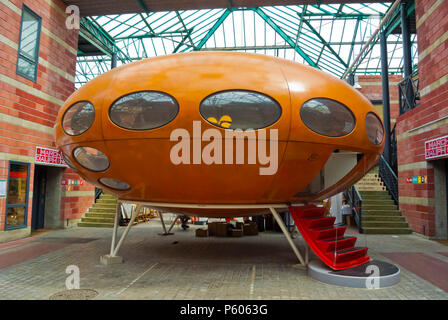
{"points": [[285, 37], [386, 96]]}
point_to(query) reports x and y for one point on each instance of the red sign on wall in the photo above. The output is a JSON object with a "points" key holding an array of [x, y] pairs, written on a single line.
{"points": [[49, 157], [436, 148]]}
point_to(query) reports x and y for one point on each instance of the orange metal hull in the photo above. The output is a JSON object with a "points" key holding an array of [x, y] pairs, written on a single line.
{"points": [[142, 158]]}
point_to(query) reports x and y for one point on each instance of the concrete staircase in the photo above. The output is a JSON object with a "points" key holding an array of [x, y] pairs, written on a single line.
{"points": [[102, 213], [380, 214]]}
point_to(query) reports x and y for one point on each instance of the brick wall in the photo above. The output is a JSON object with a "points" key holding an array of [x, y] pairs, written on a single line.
{"points": [[371, 87], [28, 109], [427, 120]]}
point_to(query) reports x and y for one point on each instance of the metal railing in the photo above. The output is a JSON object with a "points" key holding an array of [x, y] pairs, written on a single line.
{"points": [[354, 199], [408, 92], [393, 151], [389, 178], [98, 193]]}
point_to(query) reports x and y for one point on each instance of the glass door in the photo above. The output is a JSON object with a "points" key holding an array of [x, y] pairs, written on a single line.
{"points": [[17, 195]]}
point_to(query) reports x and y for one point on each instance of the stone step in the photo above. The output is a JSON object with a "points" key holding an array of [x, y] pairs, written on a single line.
{"points": [[106, 201], [387, 230], [375, 197], [107, 195], [374, 193], [371, 188], [366, 213], [384, 224], [369, 202], [96, 225], [94, 220], [374, 170], [370, 207], [99, 210], [371, 218], [372, 178], [369, 183], [105, 206], [100, 215]]}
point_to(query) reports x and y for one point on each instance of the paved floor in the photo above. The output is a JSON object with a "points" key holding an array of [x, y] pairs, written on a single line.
{"points": [[183, 266]]}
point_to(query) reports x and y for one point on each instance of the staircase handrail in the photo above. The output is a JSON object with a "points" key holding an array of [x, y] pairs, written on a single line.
{"points": [[98, 193], [389, 178], [355, 200]]}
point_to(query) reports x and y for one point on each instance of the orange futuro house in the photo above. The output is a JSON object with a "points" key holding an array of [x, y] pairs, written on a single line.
{"points": [[219, 128]]}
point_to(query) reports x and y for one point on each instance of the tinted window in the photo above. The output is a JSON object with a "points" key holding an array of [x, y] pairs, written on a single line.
{"points": [[327, 117], [143, 110], [115, 184], [28, 55], [91, 158], [240, 109], [78, 118], [374, 129]]}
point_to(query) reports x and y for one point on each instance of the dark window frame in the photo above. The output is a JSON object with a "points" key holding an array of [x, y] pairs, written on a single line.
{"points": [[22, 56], [355, 121], [25, 218], [140, 91], [68, 109], [242, 90]]}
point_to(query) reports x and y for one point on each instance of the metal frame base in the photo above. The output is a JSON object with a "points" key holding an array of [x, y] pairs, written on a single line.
{"points": [[113, 258]]}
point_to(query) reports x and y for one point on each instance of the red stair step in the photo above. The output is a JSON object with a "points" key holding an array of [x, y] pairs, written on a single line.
{"points": [[327, 233], [311, 212], [326, 240], [338, 244], [350, 254], [320, 222]]}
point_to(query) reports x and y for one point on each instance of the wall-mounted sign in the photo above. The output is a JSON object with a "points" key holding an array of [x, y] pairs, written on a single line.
{"points": [[436, 148], [417, 179], [49, 157], [74, 182]]}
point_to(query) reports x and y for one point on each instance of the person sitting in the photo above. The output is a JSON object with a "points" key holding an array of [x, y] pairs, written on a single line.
{"points": [[184, 220]]}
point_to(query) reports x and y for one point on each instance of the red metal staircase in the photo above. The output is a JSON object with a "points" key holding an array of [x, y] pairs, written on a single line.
{"points": [[327, 241]]}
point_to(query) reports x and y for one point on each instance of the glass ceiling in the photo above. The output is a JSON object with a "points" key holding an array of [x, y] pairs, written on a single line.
{"points": [[328, 37]]}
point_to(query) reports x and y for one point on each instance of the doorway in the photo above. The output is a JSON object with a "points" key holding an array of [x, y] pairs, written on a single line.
{"points": [[39, 192], [441, 198]]}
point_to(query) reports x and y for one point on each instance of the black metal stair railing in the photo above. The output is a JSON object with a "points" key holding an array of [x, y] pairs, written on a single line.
{"points": [[354, 199], [98, 193], [393, 151], [408, 93], [389, 178]]}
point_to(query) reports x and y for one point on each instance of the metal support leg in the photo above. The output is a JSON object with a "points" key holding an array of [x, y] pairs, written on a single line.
{"points": [[287, 235], [165, 233], [173, 223], [112, 258], [114, 234], [126, 231]]}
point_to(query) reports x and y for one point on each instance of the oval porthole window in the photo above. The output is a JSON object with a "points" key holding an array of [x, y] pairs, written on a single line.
{"points": [[115, 184], [327, 117], [143, 110], [240, 109], [67, 161], [374, 129], [78, 118], [91, 158]]}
